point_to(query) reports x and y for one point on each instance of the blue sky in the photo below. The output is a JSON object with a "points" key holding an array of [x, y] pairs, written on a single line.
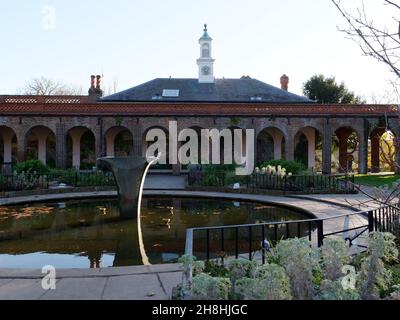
{"points": [[135, 41]]}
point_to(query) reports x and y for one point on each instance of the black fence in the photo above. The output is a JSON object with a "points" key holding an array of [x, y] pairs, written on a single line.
{"points": [[29, 181], [314, 183], [245, 240]]}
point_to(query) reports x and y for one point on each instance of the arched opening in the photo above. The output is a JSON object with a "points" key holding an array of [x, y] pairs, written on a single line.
{"points": [[382, 150], [308, 148], [41, 145], [164, 162], [205, 51], [81, 148], [119, 142], [345, 150], [8, 149], [270, 145]]}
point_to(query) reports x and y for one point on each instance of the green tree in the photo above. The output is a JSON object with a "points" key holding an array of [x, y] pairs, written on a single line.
{"points": [[327, 90]]}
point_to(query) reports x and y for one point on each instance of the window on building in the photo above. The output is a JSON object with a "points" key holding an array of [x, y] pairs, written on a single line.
{"points": [[170, 93], [205, 51]]}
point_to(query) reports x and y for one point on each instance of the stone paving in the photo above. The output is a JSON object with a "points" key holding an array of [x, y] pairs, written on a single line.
{"points": [[122, 283], [147, 282], [165, 182]]}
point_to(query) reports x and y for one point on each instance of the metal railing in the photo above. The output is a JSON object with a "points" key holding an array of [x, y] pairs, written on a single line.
{"points": [[297, 183], [33, 181], [237, 241]]}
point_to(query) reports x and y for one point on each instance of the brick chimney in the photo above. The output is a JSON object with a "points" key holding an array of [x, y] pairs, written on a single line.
{"points": [[98, 82], [285, 82], [95, 91]]}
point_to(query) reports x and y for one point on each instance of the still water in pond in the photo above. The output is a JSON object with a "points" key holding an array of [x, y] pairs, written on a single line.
{"points": [[83, 234]]}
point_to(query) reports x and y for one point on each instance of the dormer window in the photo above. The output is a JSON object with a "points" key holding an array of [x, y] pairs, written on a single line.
{"points": [[170, 93], [205, 51]]}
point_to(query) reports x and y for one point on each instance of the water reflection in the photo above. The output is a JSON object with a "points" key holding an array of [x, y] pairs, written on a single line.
{"points": [[90, 233]]}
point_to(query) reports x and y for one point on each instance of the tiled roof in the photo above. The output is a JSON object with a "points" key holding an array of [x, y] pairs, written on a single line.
{"points": [[222, 90]]}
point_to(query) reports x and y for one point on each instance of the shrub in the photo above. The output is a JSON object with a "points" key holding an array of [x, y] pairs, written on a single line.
{"points": [[374, 279], [32, 166], [206, 287], [270, 283], [295, 270], [299, 261], [334, 290], [218, 175], [334, 254], [291, 166]]}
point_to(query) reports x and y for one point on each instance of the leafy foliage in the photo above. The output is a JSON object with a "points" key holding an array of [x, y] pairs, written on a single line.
{"points": [[295, 270], [32, 166], [334, 255], [270, 283], [334, 290], [299, 261], [326, 90], [290, 166], [206, 287], [374, 278]]}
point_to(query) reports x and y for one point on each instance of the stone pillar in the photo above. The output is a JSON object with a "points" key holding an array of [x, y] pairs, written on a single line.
{"points": [[376, 136], [396, 141], [76, 150], [363, 156], [395, 128], [363, 149], [42, 148], [277, 137], [41, 134], [7, 143], [375, 142], [289, 147], [343, 156], [21, 147], [310, 135], [327, 149], [76, 136], [110, 149], [61, 146], [99, 139], [137, 140]]}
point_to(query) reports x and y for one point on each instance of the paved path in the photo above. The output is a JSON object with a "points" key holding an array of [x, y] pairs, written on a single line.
{"points": [[145, 282], [165, 182], [122, 283]]}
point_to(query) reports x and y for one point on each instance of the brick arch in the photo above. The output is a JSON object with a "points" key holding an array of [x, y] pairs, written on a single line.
{"points": [[311, 134], [110, 136], [283, 127], [40, 143], [355, 127], [347, 159], [275, 148], [75, 151], [92, 128], [381, 151]]}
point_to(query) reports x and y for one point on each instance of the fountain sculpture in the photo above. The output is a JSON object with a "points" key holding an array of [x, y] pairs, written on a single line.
{"points": [[129, 174]]}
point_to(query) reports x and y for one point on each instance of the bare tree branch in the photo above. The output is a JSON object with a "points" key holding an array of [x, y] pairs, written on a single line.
{"points": [[374, 41], [43, 87]]}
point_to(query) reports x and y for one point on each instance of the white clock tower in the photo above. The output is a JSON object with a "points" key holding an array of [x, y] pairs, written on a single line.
{"points": [[206, 62]]}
